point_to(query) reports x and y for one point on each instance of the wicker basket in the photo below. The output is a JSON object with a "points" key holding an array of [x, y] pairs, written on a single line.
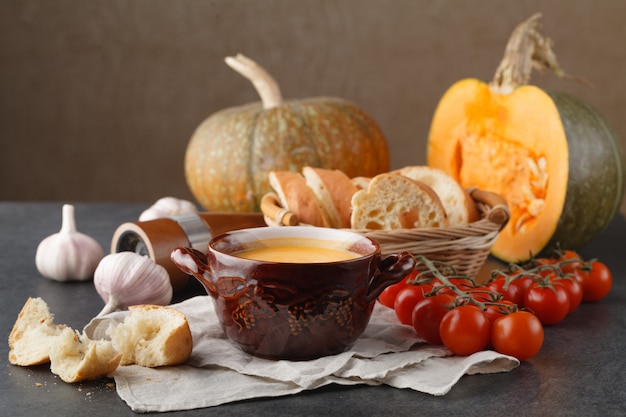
{"points": [[464, 247]]}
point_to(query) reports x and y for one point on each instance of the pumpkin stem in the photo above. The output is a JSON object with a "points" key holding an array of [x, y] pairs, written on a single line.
{"points": [[527, 49], [265, 85]]}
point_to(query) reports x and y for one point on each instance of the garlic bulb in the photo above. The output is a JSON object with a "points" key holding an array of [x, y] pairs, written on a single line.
{"points": [[126, 278], [68, 255], [167, 206]]}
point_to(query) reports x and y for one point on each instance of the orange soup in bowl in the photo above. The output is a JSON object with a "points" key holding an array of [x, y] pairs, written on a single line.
{"points": [[296, 250]]}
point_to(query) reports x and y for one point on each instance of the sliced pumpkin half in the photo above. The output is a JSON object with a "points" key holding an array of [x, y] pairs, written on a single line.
{"points": [[550, 156]]}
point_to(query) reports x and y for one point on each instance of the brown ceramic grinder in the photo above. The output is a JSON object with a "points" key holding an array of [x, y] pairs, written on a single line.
{"points": [[157, 238]]}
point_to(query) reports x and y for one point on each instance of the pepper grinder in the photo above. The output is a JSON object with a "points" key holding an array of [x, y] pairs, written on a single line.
{"points": [[157, 238]]}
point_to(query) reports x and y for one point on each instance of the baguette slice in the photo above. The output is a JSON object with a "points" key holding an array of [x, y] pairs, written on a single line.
{"points": [[75, 357], [33, 334], [152, 336], [361, 183], [334, 191], [297, 197], [460, 208], [394, 202]]}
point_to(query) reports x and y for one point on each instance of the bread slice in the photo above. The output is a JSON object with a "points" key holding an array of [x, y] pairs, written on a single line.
{"points": [[297, 197], [361, 183], [394, 201], [33, 334], [152, 336], [459, 206], [334, 191], [75, 357]]}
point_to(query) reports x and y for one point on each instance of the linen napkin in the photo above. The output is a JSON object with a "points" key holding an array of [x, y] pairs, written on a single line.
{"points": [[219, 372]]}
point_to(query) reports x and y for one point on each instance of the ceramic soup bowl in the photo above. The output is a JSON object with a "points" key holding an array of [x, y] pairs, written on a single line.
{"points": [[293, 293]]}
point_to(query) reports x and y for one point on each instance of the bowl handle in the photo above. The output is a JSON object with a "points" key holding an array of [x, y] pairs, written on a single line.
{"points": [[195, 263], [391, 270]]}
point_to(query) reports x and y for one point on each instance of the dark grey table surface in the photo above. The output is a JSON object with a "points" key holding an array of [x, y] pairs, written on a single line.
{"points": [[580, 371]]}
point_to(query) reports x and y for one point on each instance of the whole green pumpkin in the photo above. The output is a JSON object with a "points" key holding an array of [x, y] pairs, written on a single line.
{"points": [[231, 153]]}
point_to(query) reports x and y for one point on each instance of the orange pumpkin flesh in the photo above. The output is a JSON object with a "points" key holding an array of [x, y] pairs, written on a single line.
{"points": [[512, 144]]}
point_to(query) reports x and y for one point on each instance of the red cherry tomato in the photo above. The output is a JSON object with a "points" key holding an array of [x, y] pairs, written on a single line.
{"points": [[388, 296], [574, 290], [571, 261], [494, 311], [548, 302], [516, 289], [596, 283], [465, 330], [518, 334], [406, 299], [462, 284], [427, 316]]}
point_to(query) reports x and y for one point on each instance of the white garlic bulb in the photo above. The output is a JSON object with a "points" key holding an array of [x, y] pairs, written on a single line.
{"points": [[167, 206], [68, 255], [126, 278]]}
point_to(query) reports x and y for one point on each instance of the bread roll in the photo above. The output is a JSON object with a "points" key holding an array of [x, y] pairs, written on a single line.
{"points": [[459, 206], [393, 202], [334, 191], [297, 197], [152, 336]]}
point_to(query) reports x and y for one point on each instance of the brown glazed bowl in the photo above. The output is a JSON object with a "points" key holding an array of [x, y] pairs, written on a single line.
{"points": [[294, 311]]}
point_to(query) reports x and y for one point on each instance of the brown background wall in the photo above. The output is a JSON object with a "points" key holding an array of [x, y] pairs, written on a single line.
{"points": [[99, 98]]}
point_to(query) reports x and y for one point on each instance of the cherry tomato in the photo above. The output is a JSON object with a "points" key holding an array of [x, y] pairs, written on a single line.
{"points": [[548, 302], [546, 261], [574, 290], [427, 315], [465, 330], [518, 334], [596, 283], [496, 284], [406, 299], [573, 261], [484, 294], [388, 296], [462, 284], [499, 309], [516, 289]]}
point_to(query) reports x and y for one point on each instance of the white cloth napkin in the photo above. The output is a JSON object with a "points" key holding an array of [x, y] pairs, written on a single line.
{"points": [[219, 372]]}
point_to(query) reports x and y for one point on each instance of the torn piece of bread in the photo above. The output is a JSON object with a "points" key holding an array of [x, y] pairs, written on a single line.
{"points": [[33, 333], [149, 336], [459, 206], [297, 197], [152, 336], [334, 191], [394, 201], [75, 357], [35, 340]]}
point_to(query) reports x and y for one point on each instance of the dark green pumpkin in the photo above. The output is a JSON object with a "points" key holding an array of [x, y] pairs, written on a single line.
{"points": [[231, 153]]}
